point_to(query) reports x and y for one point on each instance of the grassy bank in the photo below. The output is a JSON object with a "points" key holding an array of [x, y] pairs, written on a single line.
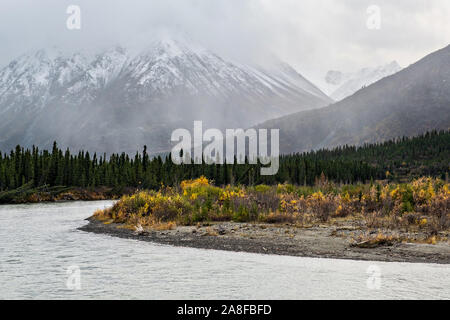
{"points": [[381, 212]]}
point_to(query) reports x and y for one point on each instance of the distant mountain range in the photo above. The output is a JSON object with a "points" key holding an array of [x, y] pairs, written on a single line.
{"points": [[408, 103], [340, 85], [119, 100]]}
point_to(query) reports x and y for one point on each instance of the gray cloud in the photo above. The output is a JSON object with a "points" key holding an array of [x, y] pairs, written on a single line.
{"points": [[313, 35]]}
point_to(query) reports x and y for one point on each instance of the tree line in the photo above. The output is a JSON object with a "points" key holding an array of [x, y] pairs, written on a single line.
{"points": [[398, 159]]}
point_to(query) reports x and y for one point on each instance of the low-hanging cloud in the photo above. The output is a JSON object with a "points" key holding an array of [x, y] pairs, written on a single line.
{"points": [[313, 35]]}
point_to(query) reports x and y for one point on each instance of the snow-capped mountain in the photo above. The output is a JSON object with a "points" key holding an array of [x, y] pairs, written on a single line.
{"points": [[411, 102], [34, 80], [121, 99], [341, 85]]}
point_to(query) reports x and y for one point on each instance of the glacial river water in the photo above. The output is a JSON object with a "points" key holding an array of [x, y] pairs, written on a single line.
{"points": [[44, 256]]}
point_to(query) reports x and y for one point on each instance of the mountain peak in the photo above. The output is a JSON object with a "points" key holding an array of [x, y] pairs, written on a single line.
{"points": [[171, 43], [120, 98], [341, 85], [411, 102]]}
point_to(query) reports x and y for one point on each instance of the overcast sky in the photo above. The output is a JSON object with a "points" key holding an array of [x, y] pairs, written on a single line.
{"points": [[313, 35]]}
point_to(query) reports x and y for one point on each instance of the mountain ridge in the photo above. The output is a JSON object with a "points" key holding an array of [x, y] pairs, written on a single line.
{"points": [[407, 103], [120, 99], [346, 84]]}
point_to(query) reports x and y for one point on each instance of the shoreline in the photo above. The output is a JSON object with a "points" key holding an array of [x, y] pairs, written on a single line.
{"points": [[56, 201], [64, 195], [316, 242]]}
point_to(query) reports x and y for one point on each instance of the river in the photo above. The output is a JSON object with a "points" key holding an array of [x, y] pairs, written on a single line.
{"points": [[44, 256]]}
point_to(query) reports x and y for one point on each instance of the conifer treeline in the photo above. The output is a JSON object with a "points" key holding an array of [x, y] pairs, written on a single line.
{"points": [[405, 158]]}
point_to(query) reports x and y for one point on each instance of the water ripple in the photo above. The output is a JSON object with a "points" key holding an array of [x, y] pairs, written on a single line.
{"points": [[38, 243]]}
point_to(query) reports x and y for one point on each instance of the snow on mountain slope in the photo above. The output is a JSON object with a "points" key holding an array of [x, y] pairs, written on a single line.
{"points": [[282, 74], [33, 80], [410, 102], [341, 85], [121, 99]]}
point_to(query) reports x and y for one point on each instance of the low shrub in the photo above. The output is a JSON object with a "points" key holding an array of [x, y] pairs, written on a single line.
{"points": [[423, 204]]}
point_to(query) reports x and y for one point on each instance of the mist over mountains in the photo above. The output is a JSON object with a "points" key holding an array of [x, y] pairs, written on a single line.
{"points": [[119, 99], [408, 103], [340, 85]]}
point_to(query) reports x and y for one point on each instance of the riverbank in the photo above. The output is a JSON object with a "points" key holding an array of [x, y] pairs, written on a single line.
{"points": [[56, 194], [379, 221], [322, 241]]}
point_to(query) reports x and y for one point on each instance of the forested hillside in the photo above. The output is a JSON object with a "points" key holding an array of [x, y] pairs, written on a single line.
{"points": [[399, 160]]}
